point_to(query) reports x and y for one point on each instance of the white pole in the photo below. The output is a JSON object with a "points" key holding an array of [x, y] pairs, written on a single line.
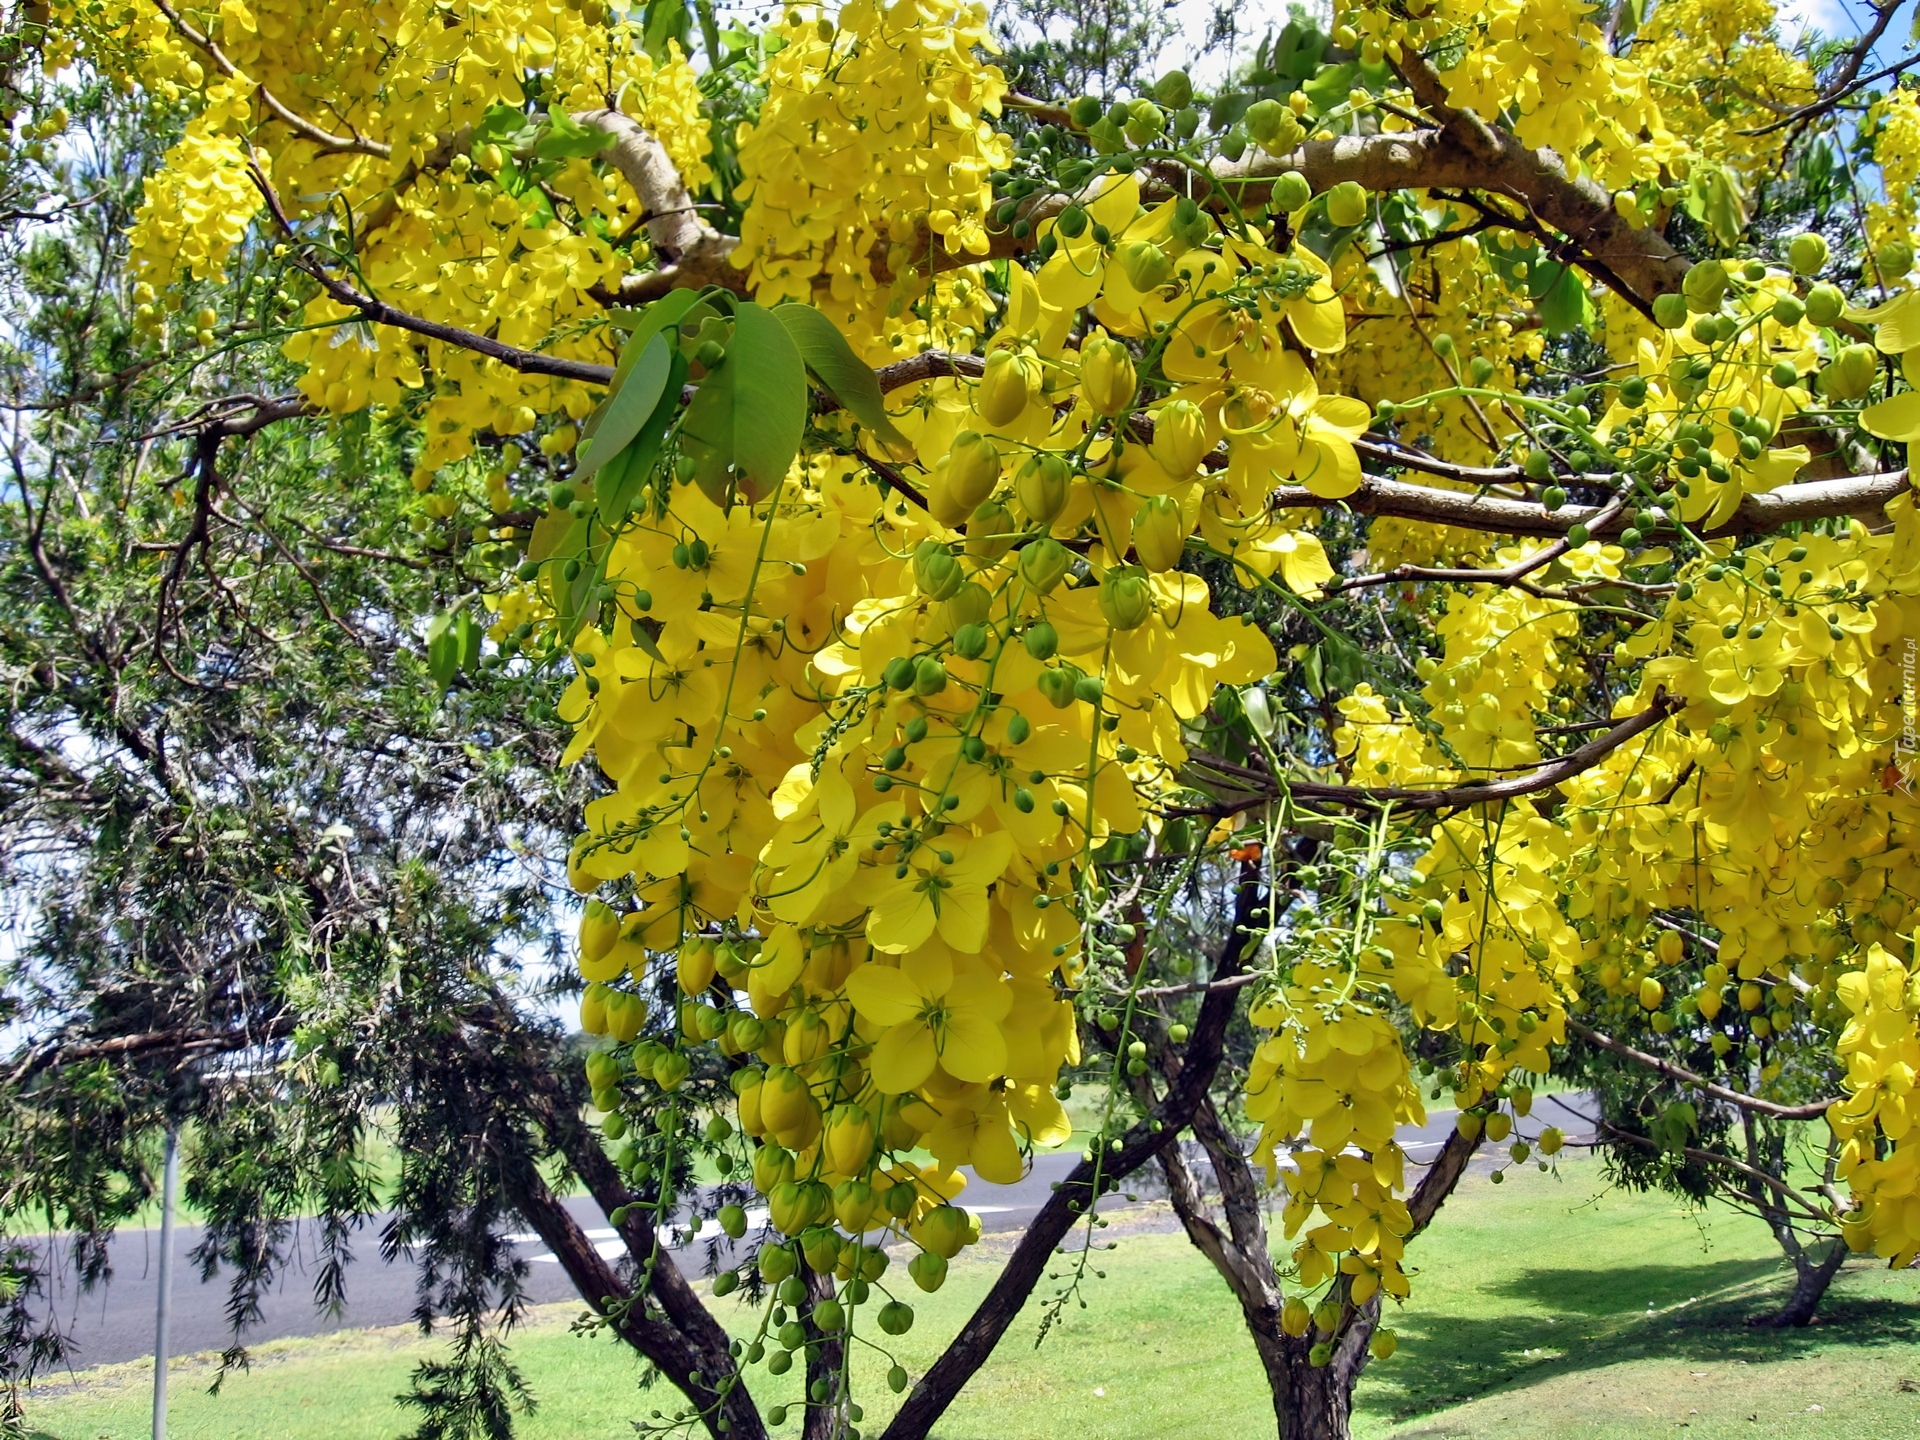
{"points": [[169, 1183]]}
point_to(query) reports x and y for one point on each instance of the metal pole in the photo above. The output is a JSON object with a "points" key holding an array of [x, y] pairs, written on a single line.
{"points": [[169, 1183]]}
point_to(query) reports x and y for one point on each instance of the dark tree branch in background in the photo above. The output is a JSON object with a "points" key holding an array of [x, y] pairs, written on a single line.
{"points": [[1847, 81], [1811, 1111], [327, 142]]}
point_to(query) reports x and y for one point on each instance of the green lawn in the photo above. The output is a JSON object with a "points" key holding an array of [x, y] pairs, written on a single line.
{"points": [[1539, 1309]]}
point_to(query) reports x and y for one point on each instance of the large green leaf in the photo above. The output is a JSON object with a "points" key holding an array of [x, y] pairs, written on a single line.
{"points": [[769, 395], [1331, 85], [443, 649], [706, 432], [833, 363], [619, 481], [633, 400]]}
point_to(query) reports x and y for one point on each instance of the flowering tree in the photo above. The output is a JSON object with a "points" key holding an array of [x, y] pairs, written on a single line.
{"points": [[896, 466]]}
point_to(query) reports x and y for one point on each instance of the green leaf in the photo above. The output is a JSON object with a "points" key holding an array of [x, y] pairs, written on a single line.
{"points": [[667, 20], [1297, 55], [503, 125], [443, 650], [467, 635], [569, 597], [1331, 86], [769, 395], [562, 138], [1715, 199], [550, 535], [1341, 663], [706, 432], [620, 480], [669, 310], [633, 399], [1560, 298], [839, 371]]}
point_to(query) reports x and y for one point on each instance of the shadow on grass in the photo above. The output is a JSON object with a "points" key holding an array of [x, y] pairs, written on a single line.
{"points": [[1695, 1312]]}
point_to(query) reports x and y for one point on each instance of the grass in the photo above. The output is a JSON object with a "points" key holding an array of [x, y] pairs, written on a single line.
{"points": [[1538, 1310]]}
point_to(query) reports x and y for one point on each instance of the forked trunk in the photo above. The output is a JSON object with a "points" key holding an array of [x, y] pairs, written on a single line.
{"points": [[1312, 1402], [1811, 1279]]}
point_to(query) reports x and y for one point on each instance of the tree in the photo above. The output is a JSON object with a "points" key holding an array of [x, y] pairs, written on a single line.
{"points": [[910, 555], [1662, 1124]]}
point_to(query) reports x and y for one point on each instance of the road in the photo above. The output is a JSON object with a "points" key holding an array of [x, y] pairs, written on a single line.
{"points": [[115, 1323]]}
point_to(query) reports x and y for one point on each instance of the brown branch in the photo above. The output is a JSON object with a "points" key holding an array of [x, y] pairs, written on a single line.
{"points": [[1709, 1157], [1543, 777], [690, 253], [1443, 1173], [1848, 81], [355, 144], [145, 1045], [1672, 1071], [1197, 987], [1512, 575], [1858, 496], [684, 1363]]}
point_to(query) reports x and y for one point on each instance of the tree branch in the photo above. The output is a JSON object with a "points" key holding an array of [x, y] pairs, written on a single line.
{"points": [[1543, 777], [1710, 1157], [329, 143], [1070, 1203], [690, 252], [1672, 1071]]}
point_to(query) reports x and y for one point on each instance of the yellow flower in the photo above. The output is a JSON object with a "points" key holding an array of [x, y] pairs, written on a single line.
{"points": [[944, 890], [934, 1013]]}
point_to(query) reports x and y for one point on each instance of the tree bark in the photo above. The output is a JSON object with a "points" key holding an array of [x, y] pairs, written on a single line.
{"points": [[1310, 1402], [1811, 1279], [825, 1356]]}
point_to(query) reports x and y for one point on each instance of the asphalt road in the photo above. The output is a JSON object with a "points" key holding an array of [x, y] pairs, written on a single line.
{"points": [[115, 1322]]}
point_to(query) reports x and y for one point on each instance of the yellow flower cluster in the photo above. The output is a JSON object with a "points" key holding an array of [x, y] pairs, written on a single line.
{"points": [[1895, 125], [447, 224], [898, 799], [1547, 64], [865, 727], [1723, 72], [198, 207], [875, 139], [1775, 811]]}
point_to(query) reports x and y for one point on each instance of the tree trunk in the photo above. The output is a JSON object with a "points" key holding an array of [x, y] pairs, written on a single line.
{"points": [[1310, 1402], [1811, 1279], [1315, 1402], [1766, 1155]]}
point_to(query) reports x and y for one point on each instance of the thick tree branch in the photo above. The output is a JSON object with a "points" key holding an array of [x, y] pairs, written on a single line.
{"points": [[1672, 1071], [690, 252], [1847, 80], [1709, 1157], [146, 1045], [679, 1359]]}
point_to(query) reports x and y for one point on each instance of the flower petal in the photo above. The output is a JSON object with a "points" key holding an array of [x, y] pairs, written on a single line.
{"points": [[883, 995], [996, 1159], [971, 1048], [903, 1059]]}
